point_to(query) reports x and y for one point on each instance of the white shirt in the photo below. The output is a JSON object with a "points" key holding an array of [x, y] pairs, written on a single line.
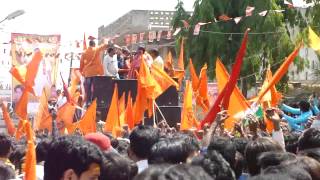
{"points": [[315, 124], [278, 136], [142, 165], [158, 62], [110, 66]]}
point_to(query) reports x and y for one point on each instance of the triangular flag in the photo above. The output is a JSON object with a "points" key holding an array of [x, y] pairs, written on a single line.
{"points": [[238, 102], [227, 90], [32, 70], [19, 73], [181, 56], [20, 129], [146, 81], [237, 19], [87, 124], [122, 109], [280, 72], [263, 13], [177, 31], [185, 24], [169, 63], [314, 40], [188, 120], [43, 118], [194, 77], [129, 117], [279, 11], [65, 113], [22, 105], [224, 18], [7, 120], [113, 122], [202, 94], [290, 5], [249, 10], [30, 161]]}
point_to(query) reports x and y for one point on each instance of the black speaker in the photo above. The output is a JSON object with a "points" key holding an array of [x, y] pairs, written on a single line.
{"points": [[168, 98], [171, 113], [102, 90], [126, 86]]}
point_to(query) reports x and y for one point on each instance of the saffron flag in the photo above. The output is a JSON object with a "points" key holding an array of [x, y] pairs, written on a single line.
{"points": [[129, 117], [194, 77], [7, 120], [280, 72], [30, 162], [238, 103], [314, 40], [65, 113], [188, 120], [22, 105], [32, 70], [227, 90], [122, 109], [19, 73], [202, 93], [169, 62], [20, 129], [43, 118], [113, 120]]}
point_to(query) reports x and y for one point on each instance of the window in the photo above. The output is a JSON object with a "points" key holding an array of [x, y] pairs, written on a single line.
{"points": [[167, 23], [161, 23], [156, 12], [151, 12], [167, 13], [161, 13]]}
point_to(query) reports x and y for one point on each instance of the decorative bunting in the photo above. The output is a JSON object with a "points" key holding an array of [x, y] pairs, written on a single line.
{"points": [[263, 13], [237, 19], [224, 18], [185, 24], [196, 30], [249, 10], [177, 31], [152, 35], [159, 35], [128, 39], [134, 38], [169, 34], [141, 35]]}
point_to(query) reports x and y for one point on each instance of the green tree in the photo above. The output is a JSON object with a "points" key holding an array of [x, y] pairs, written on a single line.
{"points": [[222, 39]]}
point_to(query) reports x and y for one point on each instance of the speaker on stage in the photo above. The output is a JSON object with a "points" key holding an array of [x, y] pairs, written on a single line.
{"points": [[127, 85], [171, 113], [169, 98]]}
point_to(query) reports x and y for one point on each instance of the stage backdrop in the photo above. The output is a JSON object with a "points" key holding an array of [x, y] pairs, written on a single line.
{"points": [[22, 48]]}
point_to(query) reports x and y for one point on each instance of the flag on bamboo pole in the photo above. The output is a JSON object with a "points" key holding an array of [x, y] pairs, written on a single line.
{"points": [[314, 40], [65, 113], [225, 94], [194, 76], [22, 105], [129, 117], [238, 102], [43, 118], [30, 162], [87, 124], [7, 120], [188, 120], [113, 120], [202, 93], [280, 72]]}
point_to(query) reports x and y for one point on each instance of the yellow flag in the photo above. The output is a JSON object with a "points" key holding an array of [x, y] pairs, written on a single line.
{"points": [[314, 40]]}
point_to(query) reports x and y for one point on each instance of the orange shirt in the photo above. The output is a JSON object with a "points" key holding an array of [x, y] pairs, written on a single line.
{"points": [[91, 63]]}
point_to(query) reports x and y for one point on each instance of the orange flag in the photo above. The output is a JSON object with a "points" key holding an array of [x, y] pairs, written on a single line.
{"points": [[129, 118], [169, 61], [84, 42], [19, 73], [65, 113], [163, 81], [21, 108], [32, 69], [194, 77], [181, 56], [10, 126], [20, 129], [238, 102], [113, 121], [280, 72], [43, 118], [122, 109], [30, 162], [87, 124], [146, 81], [187, 116], [139, 105], [202, 94]]}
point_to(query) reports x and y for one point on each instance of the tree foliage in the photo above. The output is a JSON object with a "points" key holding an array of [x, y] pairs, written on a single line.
{"points": [[222, 39]]}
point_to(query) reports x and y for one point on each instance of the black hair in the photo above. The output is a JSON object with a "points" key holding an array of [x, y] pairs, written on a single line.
{"points": [[110, 49], [185, 172], [271, 176], [116, 167], [240, 144], [267, 159], [313, 153], [6, 172], [309, 139], [122, 146], [153, 172], [310, 165], [293, 171], [42, 149], [142, 138], [225, 147], [304, 106], [70, 152], [5, 144], [255, 148], [291, 142], [155, 52], [215, 165], [141, 48], [92, 43], [17, 156]]}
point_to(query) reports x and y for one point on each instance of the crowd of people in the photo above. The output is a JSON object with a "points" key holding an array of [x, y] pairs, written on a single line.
{"points": [[290, 151]]}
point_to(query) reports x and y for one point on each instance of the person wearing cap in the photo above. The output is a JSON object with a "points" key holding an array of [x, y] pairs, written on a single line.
{"points": [[91, 65], [101, 140], [157, 59]]}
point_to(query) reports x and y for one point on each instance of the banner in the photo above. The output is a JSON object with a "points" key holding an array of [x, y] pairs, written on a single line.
{"points": [[22, 48]]}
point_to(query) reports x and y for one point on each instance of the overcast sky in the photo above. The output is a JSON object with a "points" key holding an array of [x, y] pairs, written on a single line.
{"points": [[71, 18]]}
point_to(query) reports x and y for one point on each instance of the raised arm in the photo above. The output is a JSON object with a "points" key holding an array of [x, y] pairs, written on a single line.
{"points": [[289, 109]]}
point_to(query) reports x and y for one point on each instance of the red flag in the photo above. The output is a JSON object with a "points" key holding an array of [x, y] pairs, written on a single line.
{"points": [[227, 90]]}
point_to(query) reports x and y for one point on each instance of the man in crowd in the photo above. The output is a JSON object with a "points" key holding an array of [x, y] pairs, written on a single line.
{"points": [[110, 64], [90, 66], [136, 62], [5, 149], [157, 59]]}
